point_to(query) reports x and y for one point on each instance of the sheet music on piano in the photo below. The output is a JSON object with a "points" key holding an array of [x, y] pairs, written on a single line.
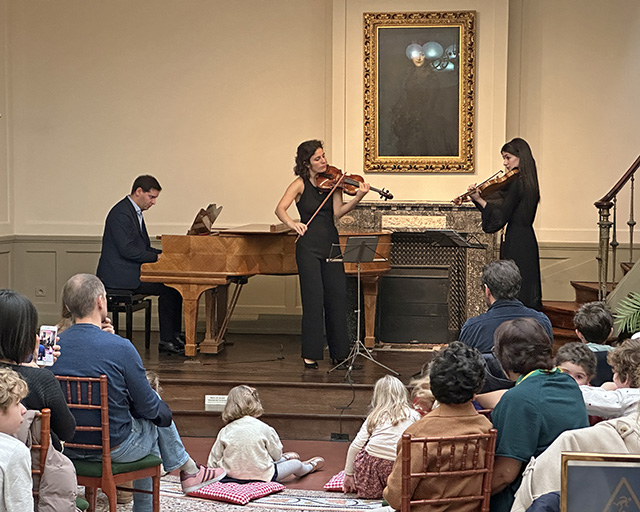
{"points": [[204, 220]]}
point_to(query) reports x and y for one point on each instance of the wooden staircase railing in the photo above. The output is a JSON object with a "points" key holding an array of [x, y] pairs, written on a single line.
{"points": [[608, 228]]}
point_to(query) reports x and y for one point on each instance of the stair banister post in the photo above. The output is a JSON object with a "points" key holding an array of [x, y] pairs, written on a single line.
{"points": [[604, 225]]}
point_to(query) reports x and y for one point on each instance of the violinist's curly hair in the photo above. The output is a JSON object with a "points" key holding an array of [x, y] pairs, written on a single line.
{"points": [[303, 156]]}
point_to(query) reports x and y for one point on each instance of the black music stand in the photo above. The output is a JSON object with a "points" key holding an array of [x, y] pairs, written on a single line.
{"points": [[359, 249], [451, 238]]}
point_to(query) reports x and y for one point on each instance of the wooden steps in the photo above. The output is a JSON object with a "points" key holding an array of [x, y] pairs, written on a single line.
{"points": [[297, 410]]}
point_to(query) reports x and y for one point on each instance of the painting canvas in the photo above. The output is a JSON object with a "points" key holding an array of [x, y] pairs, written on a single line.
{"points": [[419, 87]]}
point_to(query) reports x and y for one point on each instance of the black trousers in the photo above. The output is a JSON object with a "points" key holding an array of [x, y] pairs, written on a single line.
{"points": [[323, 288], [169, 308]]}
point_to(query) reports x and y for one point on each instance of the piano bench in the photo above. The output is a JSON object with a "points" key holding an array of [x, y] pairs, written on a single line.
{"points": [[128, 302]]}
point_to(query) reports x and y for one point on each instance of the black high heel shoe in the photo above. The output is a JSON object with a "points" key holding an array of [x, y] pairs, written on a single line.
{"points": [[310, 366]]}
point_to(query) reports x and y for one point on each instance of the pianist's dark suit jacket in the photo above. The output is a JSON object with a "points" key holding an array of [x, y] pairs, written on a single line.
{"points": [[125, 246]]}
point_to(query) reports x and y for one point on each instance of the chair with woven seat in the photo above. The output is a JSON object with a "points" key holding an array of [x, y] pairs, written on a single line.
{"points": [[464, 457], [90, 394], [128, 302]]}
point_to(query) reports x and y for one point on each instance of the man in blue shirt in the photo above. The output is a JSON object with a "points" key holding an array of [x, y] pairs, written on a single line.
{"points": [[501, 282], [140, 422]]}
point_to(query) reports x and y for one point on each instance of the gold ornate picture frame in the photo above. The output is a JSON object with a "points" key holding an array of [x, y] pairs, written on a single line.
{"points": [[419, 92], [606, 482]]}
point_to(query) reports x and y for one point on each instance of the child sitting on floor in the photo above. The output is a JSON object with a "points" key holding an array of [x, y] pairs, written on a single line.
{"points": [[15, 458], [577, 360], [248, 449], [372, 453], [620, 397]]}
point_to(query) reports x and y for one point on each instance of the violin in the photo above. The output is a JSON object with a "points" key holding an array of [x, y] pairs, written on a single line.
{"points": [[488, 186], [349, 183]]}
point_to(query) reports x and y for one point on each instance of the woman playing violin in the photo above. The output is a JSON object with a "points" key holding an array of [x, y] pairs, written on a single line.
{"points": [[322, 284], [515, 206]]}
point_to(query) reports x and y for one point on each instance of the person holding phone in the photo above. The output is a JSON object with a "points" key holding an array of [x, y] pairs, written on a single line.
{"points": [[18, 323]]}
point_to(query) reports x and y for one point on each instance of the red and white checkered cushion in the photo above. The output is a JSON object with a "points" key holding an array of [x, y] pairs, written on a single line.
{"points": [[240, 494], [335, 484]]}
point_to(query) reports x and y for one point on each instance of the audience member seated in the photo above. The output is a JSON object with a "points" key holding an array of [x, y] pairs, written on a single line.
{"points": [[617, 398], [456, 375], [422, 398], [501, 281], [139, 421], [594, 325], [577, 360], [372, 453], [248, 449], [15, 458], [18, 342], [543, 474], [544, 403]]}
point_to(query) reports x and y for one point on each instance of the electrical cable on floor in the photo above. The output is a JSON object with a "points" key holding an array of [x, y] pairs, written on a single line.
{"points": [[348, 406]]}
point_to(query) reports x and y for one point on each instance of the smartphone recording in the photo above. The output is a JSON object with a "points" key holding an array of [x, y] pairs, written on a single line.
{"points": [[48, 334]]}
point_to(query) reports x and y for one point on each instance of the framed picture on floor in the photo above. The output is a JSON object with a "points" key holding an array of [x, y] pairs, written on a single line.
{"points": [[419, 91], [600, 482]]}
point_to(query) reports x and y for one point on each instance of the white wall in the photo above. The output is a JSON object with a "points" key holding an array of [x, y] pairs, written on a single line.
{"points": [[573, 94], [211, 97]]}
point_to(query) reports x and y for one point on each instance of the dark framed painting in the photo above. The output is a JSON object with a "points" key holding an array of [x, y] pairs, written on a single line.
{"points": [[600, 481], [419, 87]]}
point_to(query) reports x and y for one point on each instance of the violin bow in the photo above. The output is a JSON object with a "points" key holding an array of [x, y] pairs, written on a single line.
{"points": [[323, 202]]}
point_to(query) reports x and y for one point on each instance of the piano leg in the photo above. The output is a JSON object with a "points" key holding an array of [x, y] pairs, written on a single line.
{"points": [[370, 292], [216, 309], [190, 296]]}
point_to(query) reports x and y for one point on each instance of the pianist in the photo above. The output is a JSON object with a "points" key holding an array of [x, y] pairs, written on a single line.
{"points": [[125, 246]]}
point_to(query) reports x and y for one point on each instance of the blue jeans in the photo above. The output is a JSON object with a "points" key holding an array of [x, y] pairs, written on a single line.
{"points": [[145, 438]]}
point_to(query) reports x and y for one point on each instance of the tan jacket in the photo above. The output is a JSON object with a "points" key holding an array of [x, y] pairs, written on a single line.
{"points": [[445, 420], [543, 475], [58, 486]]}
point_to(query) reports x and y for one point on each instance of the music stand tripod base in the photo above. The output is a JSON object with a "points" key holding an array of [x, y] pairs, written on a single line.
{"points": [[359, 249]]}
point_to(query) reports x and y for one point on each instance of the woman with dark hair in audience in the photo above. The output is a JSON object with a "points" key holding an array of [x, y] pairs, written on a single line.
{"points": [[544, 403], [515, 206], [19, 341]]}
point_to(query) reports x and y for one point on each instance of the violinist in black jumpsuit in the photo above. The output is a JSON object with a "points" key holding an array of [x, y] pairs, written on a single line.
{"points": [[515, 206], [322, 283]]}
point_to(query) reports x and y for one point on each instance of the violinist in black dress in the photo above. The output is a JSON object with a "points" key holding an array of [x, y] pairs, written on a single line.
{"points": [[515, 206], [322, 284]]}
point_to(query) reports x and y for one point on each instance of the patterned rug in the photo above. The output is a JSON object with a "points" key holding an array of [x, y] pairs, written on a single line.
{"points": [[172, 500]]}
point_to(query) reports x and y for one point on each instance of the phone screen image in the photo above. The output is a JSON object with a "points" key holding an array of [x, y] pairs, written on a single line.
{"points": [[48, 335]]}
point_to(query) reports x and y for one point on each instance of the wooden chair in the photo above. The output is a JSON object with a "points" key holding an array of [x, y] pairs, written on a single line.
{"points": [[39, 451], [437, 456], [90, 394]]}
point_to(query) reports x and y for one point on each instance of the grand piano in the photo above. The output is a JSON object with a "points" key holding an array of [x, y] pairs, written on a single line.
{"points": [[209, 264]]}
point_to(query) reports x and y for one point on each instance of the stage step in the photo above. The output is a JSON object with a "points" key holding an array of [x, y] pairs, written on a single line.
{"points": [[297, 410], [560, 312], [587, 291]]}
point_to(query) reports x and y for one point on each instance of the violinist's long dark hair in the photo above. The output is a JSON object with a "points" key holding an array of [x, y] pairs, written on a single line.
{"points": [[303, 156], [527, 169]]}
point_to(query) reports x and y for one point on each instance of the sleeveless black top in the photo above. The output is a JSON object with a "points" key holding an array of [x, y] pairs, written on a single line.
{"points": [[322, 232]]}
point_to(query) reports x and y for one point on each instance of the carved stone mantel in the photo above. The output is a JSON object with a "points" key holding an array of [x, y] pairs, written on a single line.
{"points": [[417, 216]]}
